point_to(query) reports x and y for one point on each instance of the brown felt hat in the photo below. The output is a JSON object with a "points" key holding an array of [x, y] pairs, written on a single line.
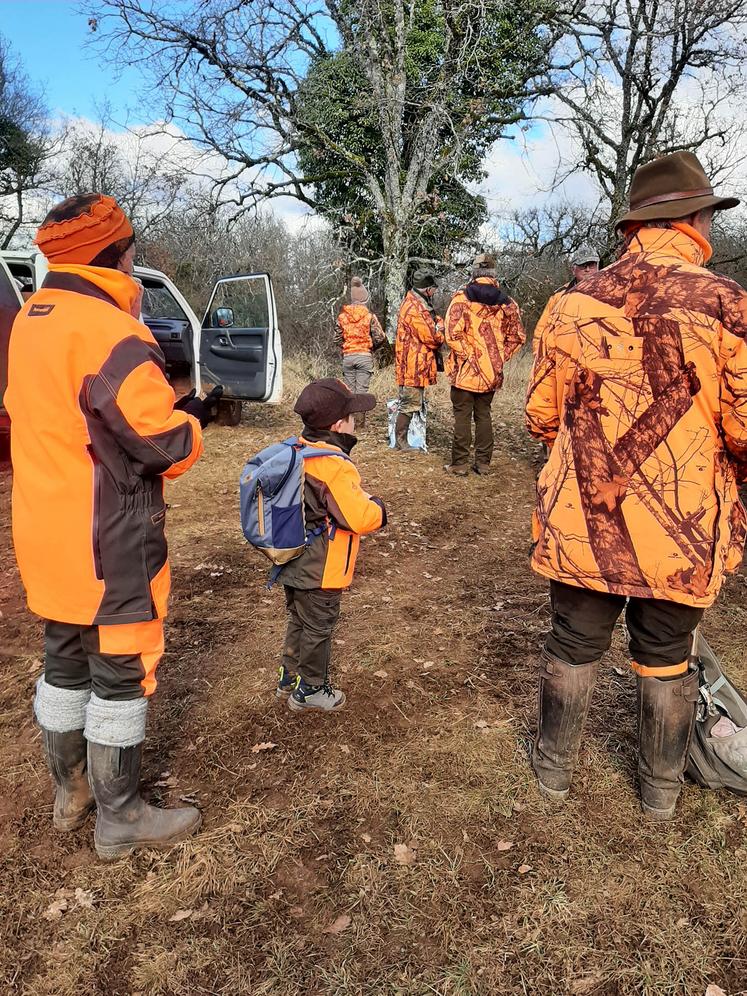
{"points": [[672, 187], [324, 402]]}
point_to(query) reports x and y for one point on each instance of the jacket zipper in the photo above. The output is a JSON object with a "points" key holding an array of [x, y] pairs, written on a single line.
{"points": [[98, 566], [261, 510], [350, 550]]}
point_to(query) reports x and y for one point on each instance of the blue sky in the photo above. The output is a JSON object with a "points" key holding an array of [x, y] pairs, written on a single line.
{"points": [[50, 37]]}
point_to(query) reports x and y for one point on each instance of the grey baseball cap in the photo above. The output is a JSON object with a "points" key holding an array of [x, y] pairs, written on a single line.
{"points": [[584, 254]]}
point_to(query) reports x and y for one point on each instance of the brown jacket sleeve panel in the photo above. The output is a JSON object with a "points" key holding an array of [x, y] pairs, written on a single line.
{"points": [[378, 337], [131, 395]]}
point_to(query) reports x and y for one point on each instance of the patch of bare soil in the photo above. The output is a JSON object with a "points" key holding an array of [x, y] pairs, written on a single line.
{"points": [[298, 885]]}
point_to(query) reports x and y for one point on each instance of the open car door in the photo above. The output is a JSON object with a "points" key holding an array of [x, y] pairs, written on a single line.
{"points": [[240, 343], [10, 305]]}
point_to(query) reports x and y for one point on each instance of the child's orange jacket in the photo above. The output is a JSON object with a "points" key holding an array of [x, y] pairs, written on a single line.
{"points": [[419, 334], [640, 387], [483, 331], [358, 330], [93, 434]]}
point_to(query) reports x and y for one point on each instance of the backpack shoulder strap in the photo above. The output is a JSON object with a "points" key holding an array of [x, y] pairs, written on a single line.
{"points": [[309, 452]]}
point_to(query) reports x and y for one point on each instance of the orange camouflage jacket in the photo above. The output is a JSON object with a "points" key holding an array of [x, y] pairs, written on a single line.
{"points": [[358, 330], [419, 334], [640, 387], [483, 330], [546, 316]]}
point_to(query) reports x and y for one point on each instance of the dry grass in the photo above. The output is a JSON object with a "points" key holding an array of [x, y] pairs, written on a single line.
{"points": [[433, 755]]}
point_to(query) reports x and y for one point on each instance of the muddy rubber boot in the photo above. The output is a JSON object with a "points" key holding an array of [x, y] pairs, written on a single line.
{"points": [[401, 427], [666, 714], [565, 692], [125, 822], [66, 757]]}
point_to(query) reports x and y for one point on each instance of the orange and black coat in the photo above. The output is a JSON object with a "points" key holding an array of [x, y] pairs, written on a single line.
{"points": [[358, 330], [640, 387], [483, 331], [93, 434], [419, 334], [337, 506]]}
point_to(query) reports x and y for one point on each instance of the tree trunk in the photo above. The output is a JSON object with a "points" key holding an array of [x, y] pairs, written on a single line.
{"points": [[395, 266]]}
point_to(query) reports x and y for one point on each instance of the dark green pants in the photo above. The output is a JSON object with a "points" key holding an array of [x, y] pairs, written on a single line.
{"points": [[312, 617], [469, 405]]}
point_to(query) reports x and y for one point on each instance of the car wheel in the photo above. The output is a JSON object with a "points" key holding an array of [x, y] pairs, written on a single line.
{"points": [[229, 413]]}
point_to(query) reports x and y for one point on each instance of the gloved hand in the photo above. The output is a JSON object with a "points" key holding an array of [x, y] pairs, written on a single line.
{"points": [[204, 409]]}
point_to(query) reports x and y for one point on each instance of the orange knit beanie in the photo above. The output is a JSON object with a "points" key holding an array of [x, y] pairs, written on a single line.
{"points": [[81, 238]]}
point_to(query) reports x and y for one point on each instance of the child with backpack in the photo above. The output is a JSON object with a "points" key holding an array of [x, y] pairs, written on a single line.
{"points": [[304, 507]]}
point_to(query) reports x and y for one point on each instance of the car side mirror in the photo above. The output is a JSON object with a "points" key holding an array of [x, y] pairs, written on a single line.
{"points": [[223, 318]]}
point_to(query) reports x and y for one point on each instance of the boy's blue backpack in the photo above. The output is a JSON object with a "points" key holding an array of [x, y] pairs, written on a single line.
{"points": [[271, 489]]}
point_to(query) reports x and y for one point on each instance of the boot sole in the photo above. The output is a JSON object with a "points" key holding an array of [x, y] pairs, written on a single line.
{"points": [[297, 707], [554, 795], [70, 823], [658, 815], [110, 852]]}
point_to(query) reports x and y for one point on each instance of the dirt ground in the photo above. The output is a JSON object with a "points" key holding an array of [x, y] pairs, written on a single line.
{"points": [[294, 886]]}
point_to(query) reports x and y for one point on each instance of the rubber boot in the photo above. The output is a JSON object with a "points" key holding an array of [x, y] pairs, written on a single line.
{"points": [[666, 714], [401, 427], [565, 692], [66, 757], [125, 822]]}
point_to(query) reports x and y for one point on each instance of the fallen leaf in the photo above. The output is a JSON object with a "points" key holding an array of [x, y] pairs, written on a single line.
{"points": [[55, 910], [83, 897], [339, 925], [340, 643], [504, 845], [344, 748], [481, 724], [380, 674], [404, 855], [523, 869], [366, 838], [180, 915], [618, 670], [714, 990], [263, 746]]}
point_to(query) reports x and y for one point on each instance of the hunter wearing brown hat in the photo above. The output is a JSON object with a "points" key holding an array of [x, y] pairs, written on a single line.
{"points": [[584, 262], [640, 388], [483, 330]]}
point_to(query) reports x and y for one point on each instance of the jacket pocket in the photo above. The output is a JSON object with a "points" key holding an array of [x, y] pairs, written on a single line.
{"points": [[96, 517]]}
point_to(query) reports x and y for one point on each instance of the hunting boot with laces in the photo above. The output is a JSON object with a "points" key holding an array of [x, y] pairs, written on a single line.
{"points": [[323, 698], [286, 682], [125, 822], [66, 757], [565, 692], [666, 714], [401, 427]]}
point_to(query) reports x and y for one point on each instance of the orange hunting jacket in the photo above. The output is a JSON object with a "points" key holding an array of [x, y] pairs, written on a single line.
{"points": [[419, 334], [358, 329], [93, 434], [545, 317], [332, 495], [481, 336], [640, 387]]}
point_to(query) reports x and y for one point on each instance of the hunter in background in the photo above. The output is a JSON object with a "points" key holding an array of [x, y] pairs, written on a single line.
{"points": [[584, 263], [359, 334], [639, 387], [483, 330]]}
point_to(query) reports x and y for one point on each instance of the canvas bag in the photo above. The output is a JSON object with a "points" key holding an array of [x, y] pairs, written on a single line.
{"points": [[718, 748]]}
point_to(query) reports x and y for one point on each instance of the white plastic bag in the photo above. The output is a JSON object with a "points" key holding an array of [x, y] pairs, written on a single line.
{"points": [[416, 432]]}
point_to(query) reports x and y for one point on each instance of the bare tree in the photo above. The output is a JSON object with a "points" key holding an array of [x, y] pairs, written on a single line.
{"points": [[232, 74], [26, 144], [643, 78]]}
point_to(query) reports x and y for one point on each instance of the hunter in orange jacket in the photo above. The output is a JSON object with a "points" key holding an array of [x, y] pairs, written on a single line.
{"points": [[94, 432], [338, 512], [359, 333], [584, 262], [640, 387], [419, 337]]}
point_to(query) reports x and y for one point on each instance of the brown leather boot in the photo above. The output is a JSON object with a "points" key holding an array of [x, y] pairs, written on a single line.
{"points": [[66, 757], [401, 427], [666, 714], [125, 822], [565, 692]]}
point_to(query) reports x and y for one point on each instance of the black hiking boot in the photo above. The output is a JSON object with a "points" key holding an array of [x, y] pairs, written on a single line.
{"points": [[66, 757], [666, 714], [565, 692], [125, 822]]}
